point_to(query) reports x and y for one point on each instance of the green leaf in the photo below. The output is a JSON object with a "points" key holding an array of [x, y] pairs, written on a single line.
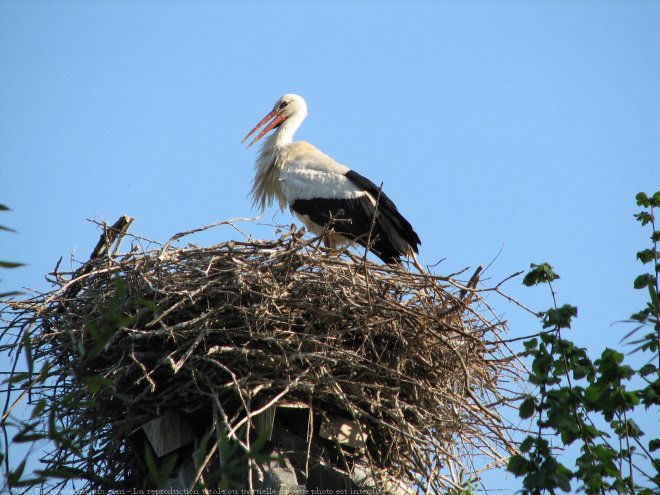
{"points": [[518, 465], [258, 443], [13, 477], [539, 274], [99, 346], [610, 356], [642, 200], [630, 428], [559, 317], [38, 408], [580, 371], [643, 217], [19, 377], [640, 316], [563, 479], [44, 373], [95, 383], [653, 295], [10, 294], [4, 207], [27, 346], [527, 408], [643, 280], [531, 344], [526, 444], [147, 303], [26, 434], [646, 256], [150, 461], [655, 201], [647, 369], [200, 453], [167, 468], [10, 264], [28, 437], [61, 472]]}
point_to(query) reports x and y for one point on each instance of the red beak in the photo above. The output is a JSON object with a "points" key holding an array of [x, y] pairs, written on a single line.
{"points": [[277, 120]]}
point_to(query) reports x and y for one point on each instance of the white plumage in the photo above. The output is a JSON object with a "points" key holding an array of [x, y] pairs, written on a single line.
{"points": [[323, 193]]}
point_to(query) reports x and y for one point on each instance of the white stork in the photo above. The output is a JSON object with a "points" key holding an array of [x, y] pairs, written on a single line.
{"points": [[322, 192]]}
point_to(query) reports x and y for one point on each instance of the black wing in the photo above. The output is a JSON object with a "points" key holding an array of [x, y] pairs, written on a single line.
{"points": [[381, 228]]}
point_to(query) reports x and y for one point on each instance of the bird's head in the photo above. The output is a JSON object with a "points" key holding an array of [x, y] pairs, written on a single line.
{"points": [[287, 107]]}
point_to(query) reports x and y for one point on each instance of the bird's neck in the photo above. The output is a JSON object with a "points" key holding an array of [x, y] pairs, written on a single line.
{"points": [[284, 133], [266, 186]]}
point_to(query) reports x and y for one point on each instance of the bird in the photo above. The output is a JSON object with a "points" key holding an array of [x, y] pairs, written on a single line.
{"points": [[332, 200]]}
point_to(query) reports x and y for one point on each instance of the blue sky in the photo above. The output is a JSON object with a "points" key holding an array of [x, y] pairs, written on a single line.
{"points": [[513, 130]]}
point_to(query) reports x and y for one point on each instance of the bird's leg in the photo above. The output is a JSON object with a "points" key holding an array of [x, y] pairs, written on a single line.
{"points": [[332, 247], [332, 243], [415, 262], [317, 245]]}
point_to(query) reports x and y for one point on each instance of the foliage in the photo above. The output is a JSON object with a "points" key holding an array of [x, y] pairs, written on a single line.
{"points": [[7, 264], [593, 403]]}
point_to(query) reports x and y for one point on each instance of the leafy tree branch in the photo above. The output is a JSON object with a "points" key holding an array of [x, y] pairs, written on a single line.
{"points": [[575, 394]]}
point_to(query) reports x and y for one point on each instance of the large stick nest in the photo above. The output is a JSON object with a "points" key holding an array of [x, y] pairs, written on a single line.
{"points": [[416, 360]]}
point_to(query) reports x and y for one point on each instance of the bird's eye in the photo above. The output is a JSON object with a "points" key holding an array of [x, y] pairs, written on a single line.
{"points": [[283, 104]]}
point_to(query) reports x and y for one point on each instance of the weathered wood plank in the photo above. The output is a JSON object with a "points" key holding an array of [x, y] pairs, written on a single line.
{"points": [[168, 433], [344, 431]]}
